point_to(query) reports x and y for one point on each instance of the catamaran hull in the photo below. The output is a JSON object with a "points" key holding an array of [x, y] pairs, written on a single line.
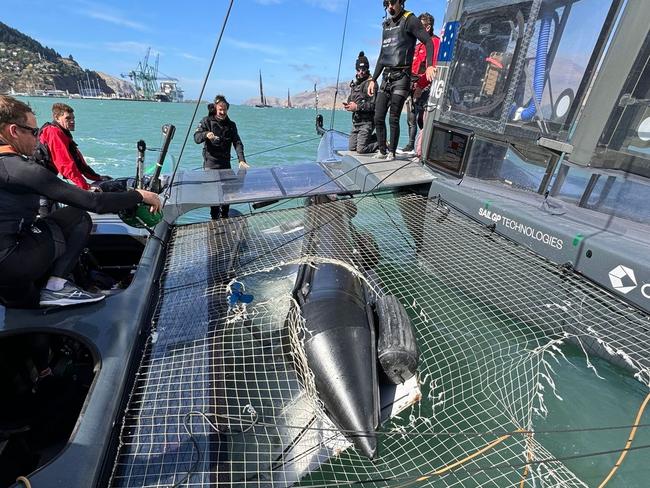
{"points": [[340, 350]]}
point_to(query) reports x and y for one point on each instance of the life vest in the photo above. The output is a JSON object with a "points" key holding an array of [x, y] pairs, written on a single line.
{"points": [[42, 153], [218, 150], [397, 46], [43, 156], [18, 205], [365, 103]]}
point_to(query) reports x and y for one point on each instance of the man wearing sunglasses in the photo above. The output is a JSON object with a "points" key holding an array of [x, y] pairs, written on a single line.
{"points": [[37, 256], [401, 30]]}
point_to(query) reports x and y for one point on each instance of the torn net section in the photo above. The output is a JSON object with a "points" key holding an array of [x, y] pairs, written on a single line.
{"points": [[488, 316]]}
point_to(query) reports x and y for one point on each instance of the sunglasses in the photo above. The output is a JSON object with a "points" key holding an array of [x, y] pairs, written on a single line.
{"points": [[33, 130], [391, 2]]}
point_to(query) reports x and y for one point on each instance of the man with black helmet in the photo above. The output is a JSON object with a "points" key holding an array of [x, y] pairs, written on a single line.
{"points": [[401, 30], [362, 107]]}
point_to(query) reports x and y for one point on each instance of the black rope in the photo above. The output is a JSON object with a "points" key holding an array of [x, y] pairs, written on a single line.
{"points": [[338, 73], [279, 463], [198, 102], [371, 192], [278, 147]]}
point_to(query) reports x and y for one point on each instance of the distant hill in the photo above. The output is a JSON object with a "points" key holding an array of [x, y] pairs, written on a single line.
{"points": [[306, 99], [26, 66]]}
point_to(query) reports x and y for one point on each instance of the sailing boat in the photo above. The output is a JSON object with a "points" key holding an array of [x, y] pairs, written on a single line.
{"points": [[289, 99], [179, 384], [262, 103]]}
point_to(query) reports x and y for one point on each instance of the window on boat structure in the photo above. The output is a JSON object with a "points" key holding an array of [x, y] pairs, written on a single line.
{"points": [[559, 60], [520, 67], [625, 141], [517, 167], [486, 46]]}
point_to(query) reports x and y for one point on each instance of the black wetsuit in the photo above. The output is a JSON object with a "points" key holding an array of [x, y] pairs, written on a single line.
{"points": [[31, 249], [362, 139], [216, 153], [395, 59]]}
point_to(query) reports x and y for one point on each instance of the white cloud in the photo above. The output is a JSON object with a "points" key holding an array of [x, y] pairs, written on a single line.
{"points": [[131, 47], [117, 20], [193, 58], [110, 15], [329, 5], [260, 48]]}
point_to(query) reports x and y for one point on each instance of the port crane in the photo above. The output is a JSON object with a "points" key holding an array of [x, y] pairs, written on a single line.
{"points": [[145, 77]]}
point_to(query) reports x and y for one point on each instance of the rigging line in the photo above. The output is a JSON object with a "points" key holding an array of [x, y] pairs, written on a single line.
{"points": [[469, 433], [410, 480], [398, 227], [180, 183], [311, 190], [619, 461], [278, 147], [338, 73], [198, 102], [302, 235]]}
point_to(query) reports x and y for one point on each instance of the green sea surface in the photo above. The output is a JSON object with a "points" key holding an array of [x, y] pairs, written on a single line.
{"points": [[107, 132]]}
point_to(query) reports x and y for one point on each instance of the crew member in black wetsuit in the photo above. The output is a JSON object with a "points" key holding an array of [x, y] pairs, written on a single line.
{"points": [[218, 134], [41, 252], [362, 106], [400, 33]]}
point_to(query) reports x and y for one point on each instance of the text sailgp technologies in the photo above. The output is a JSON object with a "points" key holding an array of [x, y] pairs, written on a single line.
{"points": [[522, 228]]}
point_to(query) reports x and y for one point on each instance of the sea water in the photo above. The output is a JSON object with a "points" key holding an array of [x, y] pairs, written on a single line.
{"points": [[107, 132]]}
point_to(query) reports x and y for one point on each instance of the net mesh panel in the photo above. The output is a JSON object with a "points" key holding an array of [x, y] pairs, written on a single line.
{"points": [[489, 316]]}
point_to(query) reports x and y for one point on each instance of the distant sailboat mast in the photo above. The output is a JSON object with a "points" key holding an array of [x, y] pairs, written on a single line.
{"points": [[289, 99], [262, 103]]}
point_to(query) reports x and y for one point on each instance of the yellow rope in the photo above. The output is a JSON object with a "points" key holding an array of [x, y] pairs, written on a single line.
{"points": [[24, 481], [451, 466], [455, 464], [629, 441], [529, 458]]}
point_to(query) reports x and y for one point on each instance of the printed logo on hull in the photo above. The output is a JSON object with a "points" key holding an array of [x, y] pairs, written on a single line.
{"points": [[622, 279]]}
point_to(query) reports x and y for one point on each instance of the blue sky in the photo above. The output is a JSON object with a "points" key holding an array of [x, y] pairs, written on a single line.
{"points": [[294, 42]]}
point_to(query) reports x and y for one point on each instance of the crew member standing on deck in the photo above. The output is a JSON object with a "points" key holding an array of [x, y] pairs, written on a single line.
{"points": [[400, 33], [420, 90], [218, 134], [362, 106]]}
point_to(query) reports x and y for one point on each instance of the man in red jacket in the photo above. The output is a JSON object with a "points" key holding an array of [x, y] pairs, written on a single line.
{"points": [[63, 152], [420, 92]]}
